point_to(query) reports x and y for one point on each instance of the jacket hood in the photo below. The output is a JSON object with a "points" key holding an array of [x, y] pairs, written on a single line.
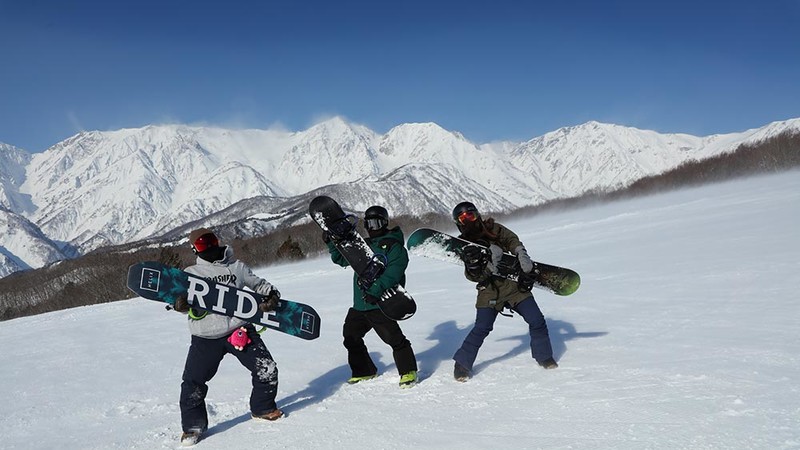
{"points": [[227, 257]]}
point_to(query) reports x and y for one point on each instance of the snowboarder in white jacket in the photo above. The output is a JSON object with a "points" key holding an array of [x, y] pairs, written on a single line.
{"points": [[215, 335]]}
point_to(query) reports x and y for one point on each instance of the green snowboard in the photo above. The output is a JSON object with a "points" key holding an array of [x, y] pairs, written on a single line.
{"points": [[444, 247]]}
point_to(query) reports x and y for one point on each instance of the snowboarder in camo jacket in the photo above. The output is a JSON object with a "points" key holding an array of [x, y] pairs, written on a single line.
{"points": [[494, 292]]}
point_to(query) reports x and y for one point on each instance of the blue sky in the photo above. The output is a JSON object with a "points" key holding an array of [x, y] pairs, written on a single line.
{"points": [[492, 70]]}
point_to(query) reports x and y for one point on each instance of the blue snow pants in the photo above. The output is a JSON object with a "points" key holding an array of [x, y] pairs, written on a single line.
{"points": [[541, 350]]}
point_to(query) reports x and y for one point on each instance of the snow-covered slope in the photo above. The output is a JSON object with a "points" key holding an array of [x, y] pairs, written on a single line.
{"points": [[102, 188], [682, 335]]}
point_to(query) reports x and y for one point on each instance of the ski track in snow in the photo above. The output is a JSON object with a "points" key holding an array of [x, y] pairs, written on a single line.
{"points": [[683, 335]]}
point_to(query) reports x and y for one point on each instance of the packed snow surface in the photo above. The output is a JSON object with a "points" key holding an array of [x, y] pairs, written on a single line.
{"points": [[684, 334]]}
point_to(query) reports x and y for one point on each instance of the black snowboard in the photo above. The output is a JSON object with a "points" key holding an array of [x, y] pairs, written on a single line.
{"points": [[395, 303], [156, 281], [442, 246]]}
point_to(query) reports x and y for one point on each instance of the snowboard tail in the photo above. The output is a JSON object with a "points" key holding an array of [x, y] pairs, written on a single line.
{"points": [[156, 281], [444, 247], [396, 303]]}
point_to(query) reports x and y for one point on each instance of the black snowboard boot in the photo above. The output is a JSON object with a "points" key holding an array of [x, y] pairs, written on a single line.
{"points": [[549, 363], [461, 373]]}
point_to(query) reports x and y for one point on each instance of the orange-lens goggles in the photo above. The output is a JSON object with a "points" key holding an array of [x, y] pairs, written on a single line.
{"points": [[204, 242], [467, 216]]}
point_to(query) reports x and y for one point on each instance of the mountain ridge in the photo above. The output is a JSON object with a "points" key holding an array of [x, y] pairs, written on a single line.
{"points": [[105, 188]]}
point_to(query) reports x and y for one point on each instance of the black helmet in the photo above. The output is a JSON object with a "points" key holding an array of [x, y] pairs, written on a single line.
{"points": [[465, 212], [376, 218]]}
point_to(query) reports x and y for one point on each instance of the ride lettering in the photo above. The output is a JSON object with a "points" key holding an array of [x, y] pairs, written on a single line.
{"points": [[200, 293]]}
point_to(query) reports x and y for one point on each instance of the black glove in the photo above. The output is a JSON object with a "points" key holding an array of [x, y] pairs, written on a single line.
{"points": [[371, 299], [475, 259], [181, 305], [504, 268], [326, 237], [525, 281], [270, 301], [364, 283]]}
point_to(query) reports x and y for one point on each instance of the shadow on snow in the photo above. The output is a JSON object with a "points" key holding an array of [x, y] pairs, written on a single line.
{"points": [[447, 337]]}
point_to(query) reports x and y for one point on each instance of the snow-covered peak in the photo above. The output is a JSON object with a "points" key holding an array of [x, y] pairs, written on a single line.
{"points": [[13, 161], [24, 246], [429, 143], [598, 155], [771, 130], [333, 126], [329, 152]]}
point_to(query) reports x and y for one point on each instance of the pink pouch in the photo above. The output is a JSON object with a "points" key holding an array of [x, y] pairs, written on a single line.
{"points": [[239, 339]]}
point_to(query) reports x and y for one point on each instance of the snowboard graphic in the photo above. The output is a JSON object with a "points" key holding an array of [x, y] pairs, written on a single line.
{"points": [[395, 302], [435, 244], [156, 281]]}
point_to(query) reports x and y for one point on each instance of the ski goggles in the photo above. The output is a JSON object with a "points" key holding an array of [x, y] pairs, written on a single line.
{"points": [[467, 216], [205, 242], [375, 223]]}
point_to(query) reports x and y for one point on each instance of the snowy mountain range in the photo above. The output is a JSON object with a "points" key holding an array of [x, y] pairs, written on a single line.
{"points": [[113, 187]]}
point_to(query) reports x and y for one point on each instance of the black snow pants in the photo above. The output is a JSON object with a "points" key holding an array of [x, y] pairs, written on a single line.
{"points": [[357, 324], [202, 363]]}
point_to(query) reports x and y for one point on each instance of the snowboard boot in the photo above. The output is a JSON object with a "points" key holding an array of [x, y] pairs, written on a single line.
{"points": [[354, 380], [461, 373], [408, 380], [273, 415], [191, 437], [549, 363]]}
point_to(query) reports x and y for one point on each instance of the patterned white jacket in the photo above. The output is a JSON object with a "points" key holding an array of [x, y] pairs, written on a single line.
{"points": [[231, 272]]}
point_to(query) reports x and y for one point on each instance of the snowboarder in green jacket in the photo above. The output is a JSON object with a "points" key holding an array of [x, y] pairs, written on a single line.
{"points": [[365, 315]]}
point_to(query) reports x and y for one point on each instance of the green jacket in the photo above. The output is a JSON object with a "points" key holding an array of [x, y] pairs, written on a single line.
{"points": [[392, 246], [493, 291]]}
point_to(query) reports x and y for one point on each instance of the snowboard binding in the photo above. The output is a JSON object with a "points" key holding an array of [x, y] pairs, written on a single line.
{"points": [[344, 228], [475, 258], [373, 271]]}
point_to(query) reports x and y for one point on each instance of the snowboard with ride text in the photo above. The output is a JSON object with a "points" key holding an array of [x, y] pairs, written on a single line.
{"points": [[156, 281]]}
